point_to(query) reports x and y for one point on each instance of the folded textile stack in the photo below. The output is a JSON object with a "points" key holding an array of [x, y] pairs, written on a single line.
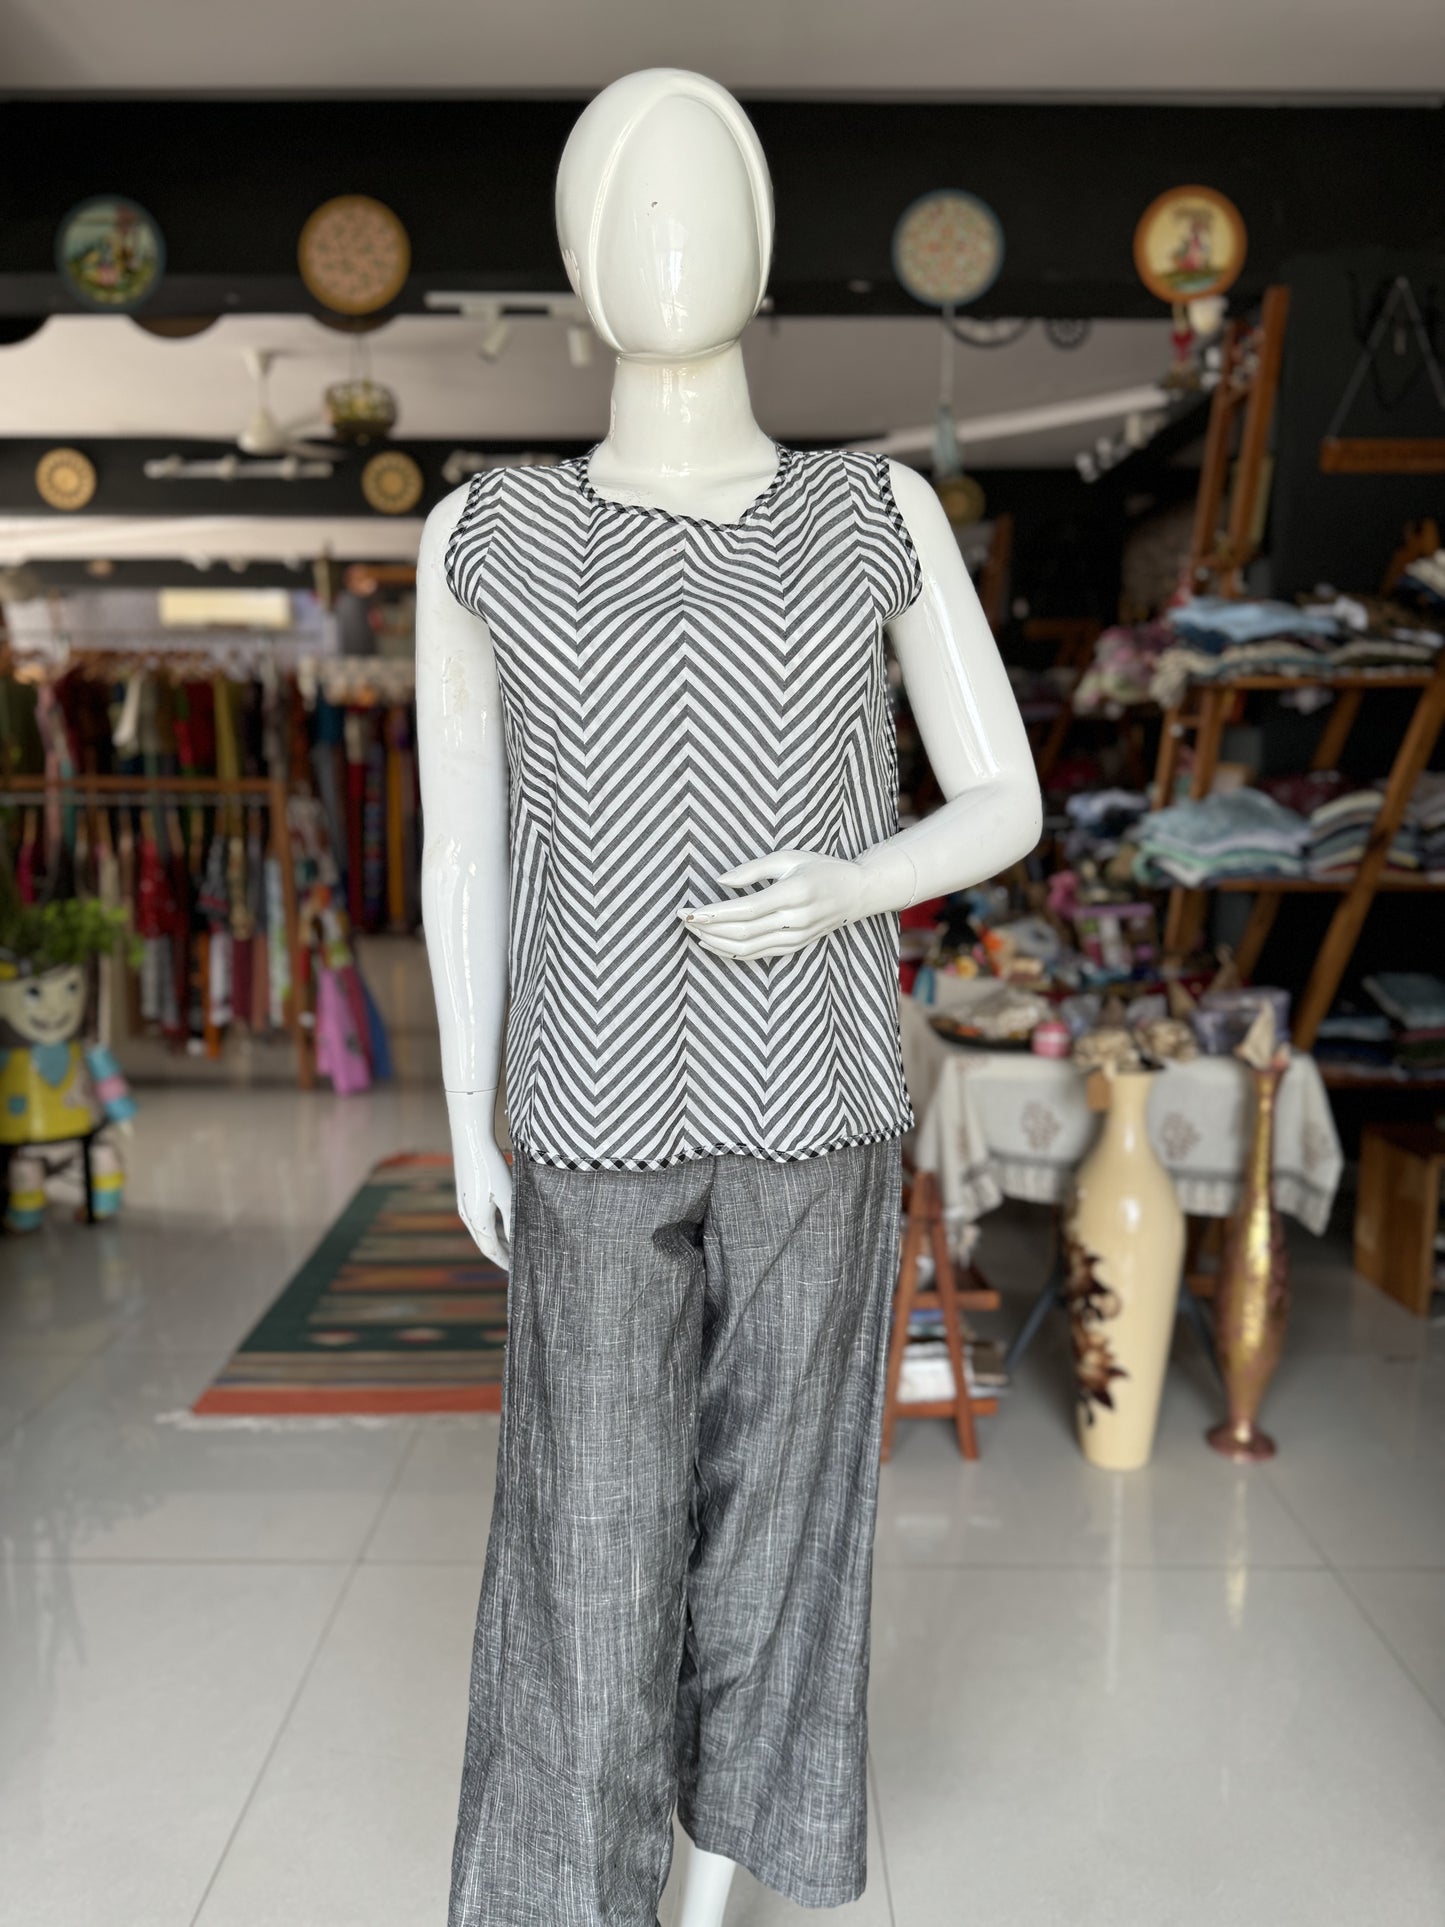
{"points": [[1122, 671], [1304, 791], [1425, 819], [1099, 820], [1423, 584], [1340, 829], [1216, 624], [1242, 833], [1356, 1040], [1340, 832], [1414, 1001], [1215, 638]]}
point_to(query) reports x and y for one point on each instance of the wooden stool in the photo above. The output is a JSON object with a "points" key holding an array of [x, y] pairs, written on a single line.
{"points": [[926, 1226], [1397, 1212]]}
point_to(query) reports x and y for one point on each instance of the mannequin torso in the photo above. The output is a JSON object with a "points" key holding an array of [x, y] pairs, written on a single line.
{"points": [[665, 219]]}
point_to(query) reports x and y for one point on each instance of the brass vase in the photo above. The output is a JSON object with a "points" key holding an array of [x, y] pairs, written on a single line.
{"points": [[1251, 1307]]}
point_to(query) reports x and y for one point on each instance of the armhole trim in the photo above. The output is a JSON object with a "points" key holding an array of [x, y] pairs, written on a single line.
{"points": [[466, 526], [900, 527]]}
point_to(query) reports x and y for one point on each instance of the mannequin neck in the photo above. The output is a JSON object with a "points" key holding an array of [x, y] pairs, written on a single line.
{"points": [[675, 420]]}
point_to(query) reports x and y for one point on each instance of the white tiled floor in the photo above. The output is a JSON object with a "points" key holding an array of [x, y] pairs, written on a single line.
{"points": [[233, 1664]]}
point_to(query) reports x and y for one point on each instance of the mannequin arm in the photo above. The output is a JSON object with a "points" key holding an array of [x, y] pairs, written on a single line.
{"points": [[974, 735], [462, 761]]}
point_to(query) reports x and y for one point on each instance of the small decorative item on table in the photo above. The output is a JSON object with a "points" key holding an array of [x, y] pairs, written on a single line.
{"points": [[1251, 1306], [1124, 1246], [1052, 1038]]}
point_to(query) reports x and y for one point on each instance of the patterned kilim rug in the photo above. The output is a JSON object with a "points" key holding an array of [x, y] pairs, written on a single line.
{"points": [[395, 1311]]}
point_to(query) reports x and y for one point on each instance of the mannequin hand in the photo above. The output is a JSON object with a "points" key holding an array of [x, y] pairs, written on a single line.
{"points": [[484, 1178], [807, 897]]}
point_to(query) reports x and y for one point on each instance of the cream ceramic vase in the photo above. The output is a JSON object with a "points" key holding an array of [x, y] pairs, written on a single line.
{"points": [[1124, 1240]]}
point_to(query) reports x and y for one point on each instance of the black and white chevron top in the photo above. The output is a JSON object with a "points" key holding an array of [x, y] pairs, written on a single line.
{"points": [[679, 696]]}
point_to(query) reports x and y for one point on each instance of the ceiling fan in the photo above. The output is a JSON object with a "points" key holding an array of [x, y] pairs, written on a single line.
{"points": [[268, 439], [359, 411]]}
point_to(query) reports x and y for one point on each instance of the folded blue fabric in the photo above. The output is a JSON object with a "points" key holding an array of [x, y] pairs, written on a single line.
{"points": [[1214, 623], [1225, 822], [1414, 998]]}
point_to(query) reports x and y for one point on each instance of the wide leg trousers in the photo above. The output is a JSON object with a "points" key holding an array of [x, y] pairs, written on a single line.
{"points": [[676, 1596]]}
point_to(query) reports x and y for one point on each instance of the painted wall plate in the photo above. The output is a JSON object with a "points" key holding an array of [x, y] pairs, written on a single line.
{"points": [[948, 248], [354, 254], [110, 253], [392, 482], [65, 478], [1189, 243]]}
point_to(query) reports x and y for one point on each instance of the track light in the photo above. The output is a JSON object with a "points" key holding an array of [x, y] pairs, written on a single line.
{"points": [[496, 333]]}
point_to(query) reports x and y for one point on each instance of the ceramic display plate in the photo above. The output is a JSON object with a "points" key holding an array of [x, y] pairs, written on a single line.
{"points": [[65, 478], [110, 253], [948, 248], [1189, 243], [392, 482], [354, 254]]}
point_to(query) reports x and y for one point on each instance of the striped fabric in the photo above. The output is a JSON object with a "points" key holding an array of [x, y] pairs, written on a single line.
{"points": [[680, 696]]}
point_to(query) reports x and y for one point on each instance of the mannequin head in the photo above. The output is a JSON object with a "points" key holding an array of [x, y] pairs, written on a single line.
{"points": [[665, 215]]}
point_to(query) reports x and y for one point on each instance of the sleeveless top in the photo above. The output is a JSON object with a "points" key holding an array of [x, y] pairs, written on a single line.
{"points": [[679, 696]]}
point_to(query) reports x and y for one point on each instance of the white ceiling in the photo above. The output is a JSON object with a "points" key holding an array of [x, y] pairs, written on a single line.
{"points": [[812, 379], [796, 46]]}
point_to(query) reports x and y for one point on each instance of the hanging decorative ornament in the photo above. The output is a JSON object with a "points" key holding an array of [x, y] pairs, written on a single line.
{"points": [[360, 411], [354, 254], [963, 499], [65, 479], [1189, 246], [110, 253], [961, 496], [947, 251], [948, 248], [392, 482]]}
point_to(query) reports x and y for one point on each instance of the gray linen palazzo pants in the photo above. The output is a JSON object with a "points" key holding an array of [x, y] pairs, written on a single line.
{"points": [[676, 1598]]}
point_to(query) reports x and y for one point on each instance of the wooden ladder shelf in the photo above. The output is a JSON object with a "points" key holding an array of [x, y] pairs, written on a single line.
{"points": [[926, 1230]]}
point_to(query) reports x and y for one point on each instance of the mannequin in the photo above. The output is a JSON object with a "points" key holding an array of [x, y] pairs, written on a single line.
{"points": [[665, 219]]}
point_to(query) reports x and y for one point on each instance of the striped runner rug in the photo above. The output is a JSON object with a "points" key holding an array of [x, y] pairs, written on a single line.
{"points": [[395, 1311]]}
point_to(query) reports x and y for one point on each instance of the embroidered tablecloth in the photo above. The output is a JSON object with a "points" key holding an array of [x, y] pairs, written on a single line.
{"points": [[998, 1124]]}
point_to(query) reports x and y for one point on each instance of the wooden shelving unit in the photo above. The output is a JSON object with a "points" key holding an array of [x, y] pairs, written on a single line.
{"points": [[1215, 703], [1406, 880], [1227, 525], [927, 1231], [1228, 515]]}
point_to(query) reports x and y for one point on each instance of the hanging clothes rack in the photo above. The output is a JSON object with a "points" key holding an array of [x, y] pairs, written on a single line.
{"points": [[143, 793]]}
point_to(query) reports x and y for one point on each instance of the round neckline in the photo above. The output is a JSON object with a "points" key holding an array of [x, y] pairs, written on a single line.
{"points": [[583, 466]]}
